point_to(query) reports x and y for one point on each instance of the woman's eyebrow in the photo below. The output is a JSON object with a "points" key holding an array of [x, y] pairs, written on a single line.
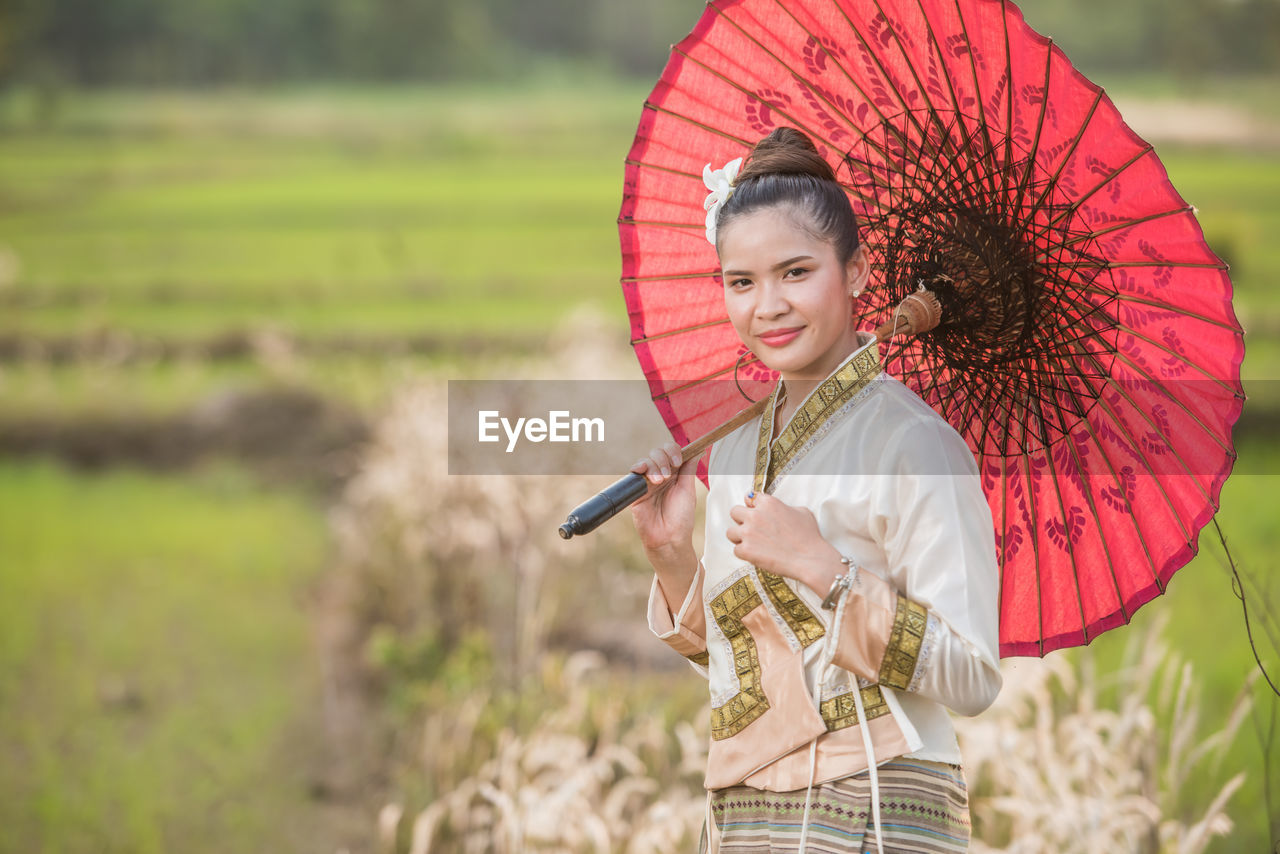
{"points": [[778, 266]]}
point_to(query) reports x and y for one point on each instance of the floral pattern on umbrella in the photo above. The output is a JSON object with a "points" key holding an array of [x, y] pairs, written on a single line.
{"points": [[1089, 353]]}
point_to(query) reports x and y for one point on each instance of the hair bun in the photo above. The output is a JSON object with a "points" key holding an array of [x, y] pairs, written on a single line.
{"points": [[786, 151], [785, 168]]}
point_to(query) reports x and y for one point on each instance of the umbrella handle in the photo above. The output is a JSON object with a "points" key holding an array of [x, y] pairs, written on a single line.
{"points": [[625, 491], [918, 313]]}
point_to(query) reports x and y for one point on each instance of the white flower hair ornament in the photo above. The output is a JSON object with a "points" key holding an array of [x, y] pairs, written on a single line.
{"points": [[720, 183]]}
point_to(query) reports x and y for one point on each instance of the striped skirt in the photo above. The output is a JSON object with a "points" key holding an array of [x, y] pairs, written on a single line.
{"points": [[924, 807]]}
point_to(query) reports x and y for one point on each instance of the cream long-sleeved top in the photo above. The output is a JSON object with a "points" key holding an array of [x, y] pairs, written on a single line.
{"points": [[895, 489]]}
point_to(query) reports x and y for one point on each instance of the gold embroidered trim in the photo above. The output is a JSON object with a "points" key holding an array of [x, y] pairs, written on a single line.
{"points": [[703, 658], [749, 703], [909, 624], [730, 606], [853, 376], [849, 379], [840, 712], [802, 622]]}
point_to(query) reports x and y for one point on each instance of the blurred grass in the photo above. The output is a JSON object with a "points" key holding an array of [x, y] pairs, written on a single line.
{"points": [[1206, 628], [155, 663], [103, 389], [346, 214], [394, 212]]}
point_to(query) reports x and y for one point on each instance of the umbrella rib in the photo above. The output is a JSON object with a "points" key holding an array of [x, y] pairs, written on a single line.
{"points": [[785, 113], [795, 75], [1162, 348], [661, 224], [1003, 402], [884, 74], [1155, 429], [976, 184], [697, 124], [1004, 532], [968, 404], [951, 178], [934, 120], [809, 87], [1138, 369], [1025, 185], [902, 50], [977, 86], [644, 164], [1119, 485], [1032, 536], [682, 330], [1181, 312], [971, 166], [1143, 460], [1062, 510], [884, 120], [1071, 149], [693, 383], [1115, 479], [942, 61], [1085, 484], [911, 67], [1115, 173], [1078, 259], [1194, 265], [1060, 341], [1127, 223], [1008, 92], [670, 276]]}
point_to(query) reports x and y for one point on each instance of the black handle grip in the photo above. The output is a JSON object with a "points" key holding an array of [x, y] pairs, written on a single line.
{"points": [[594, 512]]}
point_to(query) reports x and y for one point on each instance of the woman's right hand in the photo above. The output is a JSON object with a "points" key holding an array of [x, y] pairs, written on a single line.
{"points": [[664, 516]]}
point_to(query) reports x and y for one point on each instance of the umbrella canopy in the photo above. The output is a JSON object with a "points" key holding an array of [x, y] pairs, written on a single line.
{"points": [[1088, 353]]}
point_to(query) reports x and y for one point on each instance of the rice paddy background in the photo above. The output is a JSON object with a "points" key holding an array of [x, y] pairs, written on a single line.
{"points": [[207, 303]]}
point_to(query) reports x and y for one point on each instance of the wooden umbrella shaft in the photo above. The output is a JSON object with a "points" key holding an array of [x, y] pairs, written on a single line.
{"points": [[918, 313]]}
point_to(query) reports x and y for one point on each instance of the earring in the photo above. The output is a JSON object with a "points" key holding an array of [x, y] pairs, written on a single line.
{"points": [[737, 365]]}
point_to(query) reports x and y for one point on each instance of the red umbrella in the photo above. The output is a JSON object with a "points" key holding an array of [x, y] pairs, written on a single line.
{"points": [[1088, 353]]}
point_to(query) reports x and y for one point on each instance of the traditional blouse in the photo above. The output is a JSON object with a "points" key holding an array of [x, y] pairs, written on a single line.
{"points": [[895, 489]]}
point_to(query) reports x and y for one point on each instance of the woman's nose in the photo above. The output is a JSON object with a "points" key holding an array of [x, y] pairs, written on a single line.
{"points": [[771, 301]]}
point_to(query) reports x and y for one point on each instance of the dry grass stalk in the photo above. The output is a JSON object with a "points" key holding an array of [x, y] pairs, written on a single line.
{"points": [[561, 788], [1059, 769], [1059, 766], [428, 552]]}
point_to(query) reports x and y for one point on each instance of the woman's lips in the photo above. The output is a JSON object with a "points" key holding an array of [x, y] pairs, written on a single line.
{"points": [[779, 337]]}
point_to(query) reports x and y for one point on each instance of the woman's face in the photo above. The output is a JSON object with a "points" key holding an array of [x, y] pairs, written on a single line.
{"points": [[788, 295]]}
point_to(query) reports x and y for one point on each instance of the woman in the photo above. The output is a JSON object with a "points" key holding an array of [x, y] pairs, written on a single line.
{"points": [[847, 593]]}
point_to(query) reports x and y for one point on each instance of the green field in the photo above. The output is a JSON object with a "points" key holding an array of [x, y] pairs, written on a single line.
{"points": [[158, 690], [377, 218], [156, 671]]}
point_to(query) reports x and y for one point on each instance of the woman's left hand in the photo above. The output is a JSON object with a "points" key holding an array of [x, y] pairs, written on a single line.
{"points": [[776, 537]]}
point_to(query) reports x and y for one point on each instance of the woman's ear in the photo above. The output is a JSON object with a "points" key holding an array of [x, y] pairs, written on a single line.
{"points": [[857, 271]]}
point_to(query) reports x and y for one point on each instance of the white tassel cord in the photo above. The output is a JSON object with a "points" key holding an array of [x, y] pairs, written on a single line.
{"points": [[871, 765], [828, 653]]}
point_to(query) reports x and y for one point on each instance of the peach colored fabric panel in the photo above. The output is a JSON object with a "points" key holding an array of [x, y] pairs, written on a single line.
{"points": [[863, 635], [685, 632], [791, 721], [838, 752]]}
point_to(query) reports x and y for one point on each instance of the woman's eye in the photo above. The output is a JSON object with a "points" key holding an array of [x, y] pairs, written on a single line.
{"points": [[796, 271], [739, 283]]}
